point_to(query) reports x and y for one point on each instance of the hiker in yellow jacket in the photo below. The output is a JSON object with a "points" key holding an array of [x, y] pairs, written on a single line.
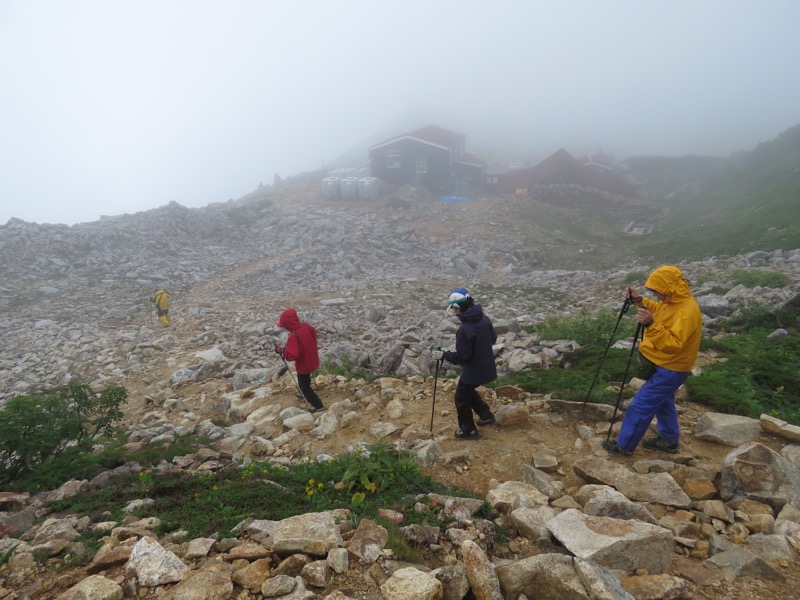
{"points": [[672, 325], [161, 300]]}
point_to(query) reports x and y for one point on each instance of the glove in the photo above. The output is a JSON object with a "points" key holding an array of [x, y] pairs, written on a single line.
{"points": [[278, 349], [438, 354]]}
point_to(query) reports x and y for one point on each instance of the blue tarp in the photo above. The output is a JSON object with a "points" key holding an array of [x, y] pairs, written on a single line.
{"points": [[453, 199]]}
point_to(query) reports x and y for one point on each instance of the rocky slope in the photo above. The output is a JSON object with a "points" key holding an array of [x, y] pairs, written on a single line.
{"points": [[373, 278]]}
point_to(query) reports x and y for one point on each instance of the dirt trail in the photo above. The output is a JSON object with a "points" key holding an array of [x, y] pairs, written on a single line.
{"points": [[499, 454]]}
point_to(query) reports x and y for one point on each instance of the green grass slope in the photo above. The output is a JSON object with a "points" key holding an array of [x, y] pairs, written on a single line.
{"points": [[753, 204]]}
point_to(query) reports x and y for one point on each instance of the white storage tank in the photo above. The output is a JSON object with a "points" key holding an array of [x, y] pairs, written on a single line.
{"points": [[369, 188], [330, 188], [349, 188]]}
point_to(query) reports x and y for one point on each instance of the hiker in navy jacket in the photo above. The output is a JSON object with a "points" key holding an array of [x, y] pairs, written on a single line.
{"points": [[474, 354]]}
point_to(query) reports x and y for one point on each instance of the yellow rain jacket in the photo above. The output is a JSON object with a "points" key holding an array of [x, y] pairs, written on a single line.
{"points": [[161, 300], [673, 340]]}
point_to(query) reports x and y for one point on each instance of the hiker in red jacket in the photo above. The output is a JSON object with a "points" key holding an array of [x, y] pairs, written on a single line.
{"points": [[301, 347]]}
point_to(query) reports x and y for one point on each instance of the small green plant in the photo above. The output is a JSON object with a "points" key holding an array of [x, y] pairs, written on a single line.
{"points": [[344, 368], [4, 556], [315, 491], [585, 327], [635, 277], [254, 470], [749, 318], [399, 546], [145, 481], [500, 535], [700, 280], [151, 455], [757, 278], [371, 472], [70, 560], [40, 555]]}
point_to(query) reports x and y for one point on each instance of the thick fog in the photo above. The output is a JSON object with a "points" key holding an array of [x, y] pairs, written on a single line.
{"points": [[114, 107]]}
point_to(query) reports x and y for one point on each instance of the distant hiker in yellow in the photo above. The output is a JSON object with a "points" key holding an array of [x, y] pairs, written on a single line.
{"points": [[161, 300]]}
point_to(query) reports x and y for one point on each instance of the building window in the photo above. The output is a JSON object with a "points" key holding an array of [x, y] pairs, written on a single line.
{"points": [[393, 153], [422, 165], [491, 180], [392, 163]]}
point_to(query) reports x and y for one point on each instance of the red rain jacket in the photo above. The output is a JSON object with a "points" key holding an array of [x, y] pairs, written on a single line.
{"points": [[301, 347]]}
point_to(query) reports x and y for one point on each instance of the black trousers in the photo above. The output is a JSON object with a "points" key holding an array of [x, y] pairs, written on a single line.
{"points": [[304, 382], [467, 401]]}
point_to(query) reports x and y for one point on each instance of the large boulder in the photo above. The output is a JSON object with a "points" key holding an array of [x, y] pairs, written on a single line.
{"points": [[730, 430], [660, 488], [311, 533], [614, 543], [755, 471]]}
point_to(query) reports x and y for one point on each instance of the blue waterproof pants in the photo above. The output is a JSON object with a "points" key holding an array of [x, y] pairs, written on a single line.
{"points": [[656, 398]]}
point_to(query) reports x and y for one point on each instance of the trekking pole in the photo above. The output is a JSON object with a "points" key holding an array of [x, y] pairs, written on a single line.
{"points": [[297, 385], [439, 362], [625, 306], [639, 333]]}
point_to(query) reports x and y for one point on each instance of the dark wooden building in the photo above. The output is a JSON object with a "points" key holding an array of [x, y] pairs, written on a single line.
{"points": [[432, 157]]}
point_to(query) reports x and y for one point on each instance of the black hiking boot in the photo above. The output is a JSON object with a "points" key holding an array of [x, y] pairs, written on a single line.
{"points": [[471, 435], [488, 421], [612, 447], [659, 443]]}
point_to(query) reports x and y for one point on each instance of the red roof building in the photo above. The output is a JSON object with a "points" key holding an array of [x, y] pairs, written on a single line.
{"points": [[562, 168]]}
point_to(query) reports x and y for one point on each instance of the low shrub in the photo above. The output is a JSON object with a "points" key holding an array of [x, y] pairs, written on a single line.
{"points": [[572, 377], [588, 328], [377, 477], [756, 374], [37, 429], [758, 278], [343, 367]]}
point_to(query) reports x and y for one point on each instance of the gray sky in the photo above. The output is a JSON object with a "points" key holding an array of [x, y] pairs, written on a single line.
{"points": [[108, 107]]}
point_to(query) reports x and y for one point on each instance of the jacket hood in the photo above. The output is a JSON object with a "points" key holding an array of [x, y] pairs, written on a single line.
{"points": [[473, 313], [668, 280], [289, 320]]}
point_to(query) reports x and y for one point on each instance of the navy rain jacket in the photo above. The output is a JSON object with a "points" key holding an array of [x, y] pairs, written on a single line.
{"points": [[473, 352]]}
